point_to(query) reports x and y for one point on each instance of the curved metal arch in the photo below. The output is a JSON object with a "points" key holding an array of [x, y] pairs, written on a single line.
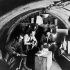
{"points": [[66, 23]]}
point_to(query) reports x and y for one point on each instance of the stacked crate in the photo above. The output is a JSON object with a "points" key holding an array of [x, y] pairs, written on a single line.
{"points": [[43, 61]]}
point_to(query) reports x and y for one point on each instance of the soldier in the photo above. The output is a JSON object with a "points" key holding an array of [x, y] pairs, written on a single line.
{"points": [[12, 47], [15, 48]]}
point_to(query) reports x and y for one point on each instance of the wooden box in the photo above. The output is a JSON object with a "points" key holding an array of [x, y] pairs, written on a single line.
{"points": [[43, 61]]}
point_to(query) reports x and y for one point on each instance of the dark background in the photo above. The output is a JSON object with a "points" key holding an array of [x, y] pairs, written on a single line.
{"points": [[8, 5]]}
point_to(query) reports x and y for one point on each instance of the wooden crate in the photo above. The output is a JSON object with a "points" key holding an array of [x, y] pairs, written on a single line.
{"points": [[43, 61]]}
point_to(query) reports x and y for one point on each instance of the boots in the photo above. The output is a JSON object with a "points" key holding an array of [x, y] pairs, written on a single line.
{"points": [[24, 65]]}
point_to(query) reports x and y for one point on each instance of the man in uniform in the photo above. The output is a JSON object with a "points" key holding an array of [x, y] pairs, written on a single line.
{"points": [[15, 48]]}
